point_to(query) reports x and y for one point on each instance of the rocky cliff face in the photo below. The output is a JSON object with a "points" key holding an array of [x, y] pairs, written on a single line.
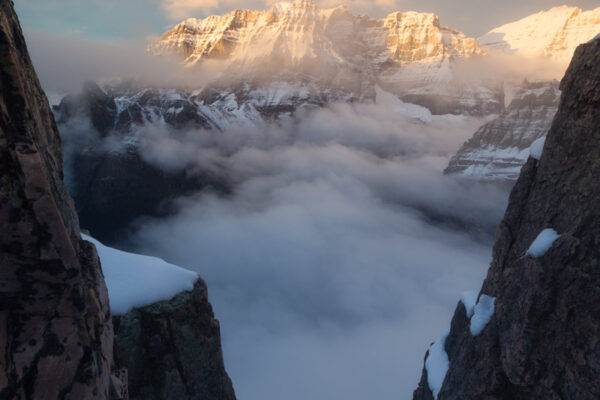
{"points": [[498, 149], [56, 334], [340, 54], [56, 328], [172, 350], [111, 183], [541, 341]]}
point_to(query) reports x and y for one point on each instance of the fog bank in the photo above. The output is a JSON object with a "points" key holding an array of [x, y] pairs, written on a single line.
{"points": [[341, 253]]}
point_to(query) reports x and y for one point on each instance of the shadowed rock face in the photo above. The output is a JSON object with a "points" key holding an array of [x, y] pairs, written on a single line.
{"points": [[543, 341], [172, 349], [56, 333], [114, 188]]}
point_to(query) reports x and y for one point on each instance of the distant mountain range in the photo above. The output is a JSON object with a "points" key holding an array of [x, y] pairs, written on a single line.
{"points": [[268, 64], [338, 54]]}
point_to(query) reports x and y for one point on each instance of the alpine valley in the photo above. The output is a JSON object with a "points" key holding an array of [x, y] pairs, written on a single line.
{"points": [[268, 66]]}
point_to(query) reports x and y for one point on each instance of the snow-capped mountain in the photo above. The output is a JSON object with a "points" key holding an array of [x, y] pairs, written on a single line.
{"points": [[499, 148], [554, 33], [300, 32], [294, 55], [407, 53]]}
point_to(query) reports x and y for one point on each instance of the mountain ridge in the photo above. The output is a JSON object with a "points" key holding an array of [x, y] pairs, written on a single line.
{"points": [[424, 73], [553, 33], [407, 53]]}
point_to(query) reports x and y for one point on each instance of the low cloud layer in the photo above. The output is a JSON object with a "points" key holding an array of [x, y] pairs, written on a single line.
{"points": [[342, 251]]}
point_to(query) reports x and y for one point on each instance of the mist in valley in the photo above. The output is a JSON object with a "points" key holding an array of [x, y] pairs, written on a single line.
{"points": [[342, 249]]}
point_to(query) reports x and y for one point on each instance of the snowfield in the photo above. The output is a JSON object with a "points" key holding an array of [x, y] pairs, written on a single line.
{"points": [[135, 280]]}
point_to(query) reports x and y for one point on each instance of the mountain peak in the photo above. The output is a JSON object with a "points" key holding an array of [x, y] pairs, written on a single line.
{"points": [[292, 31], [414, 18], [284, 7], [306, 3], [554, 33]]}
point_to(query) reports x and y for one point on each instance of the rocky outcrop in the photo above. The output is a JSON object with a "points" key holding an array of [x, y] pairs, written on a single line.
{"points": [[172, 350], [56, 333], [542, 341], [498, 149]]}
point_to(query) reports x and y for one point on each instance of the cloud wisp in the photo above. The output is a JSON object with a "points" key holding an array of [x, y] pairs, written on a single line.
{"points": [[342, 251]]}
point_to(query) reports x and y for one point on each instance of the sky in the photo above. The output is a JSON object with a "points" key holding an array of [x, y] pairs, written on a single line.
{"points": [[142, 19]]}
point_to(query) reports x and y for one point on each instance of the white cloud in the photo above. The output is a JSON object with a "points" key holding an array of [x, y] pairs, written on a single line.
{"points": [[342, 251], [182, 9]]}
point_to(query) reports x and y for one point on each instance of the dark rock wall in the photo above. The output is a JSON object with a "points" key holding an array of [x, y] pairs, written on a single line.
{"points": [[172, 350], [543, 341], [56, 333]]}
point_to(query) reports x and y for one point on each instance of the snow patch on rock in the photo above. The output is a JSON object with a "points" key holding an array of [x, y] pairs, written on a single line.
{"points": [[482, 314], [469, 299], [135, 280], [542, 243], [537, 148], [437, 365]]}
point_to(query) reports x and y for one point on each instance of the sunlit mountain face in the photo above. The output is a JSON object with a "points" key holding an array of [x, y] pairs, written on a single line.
{"points": [[318, 50], [335, 178]]}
